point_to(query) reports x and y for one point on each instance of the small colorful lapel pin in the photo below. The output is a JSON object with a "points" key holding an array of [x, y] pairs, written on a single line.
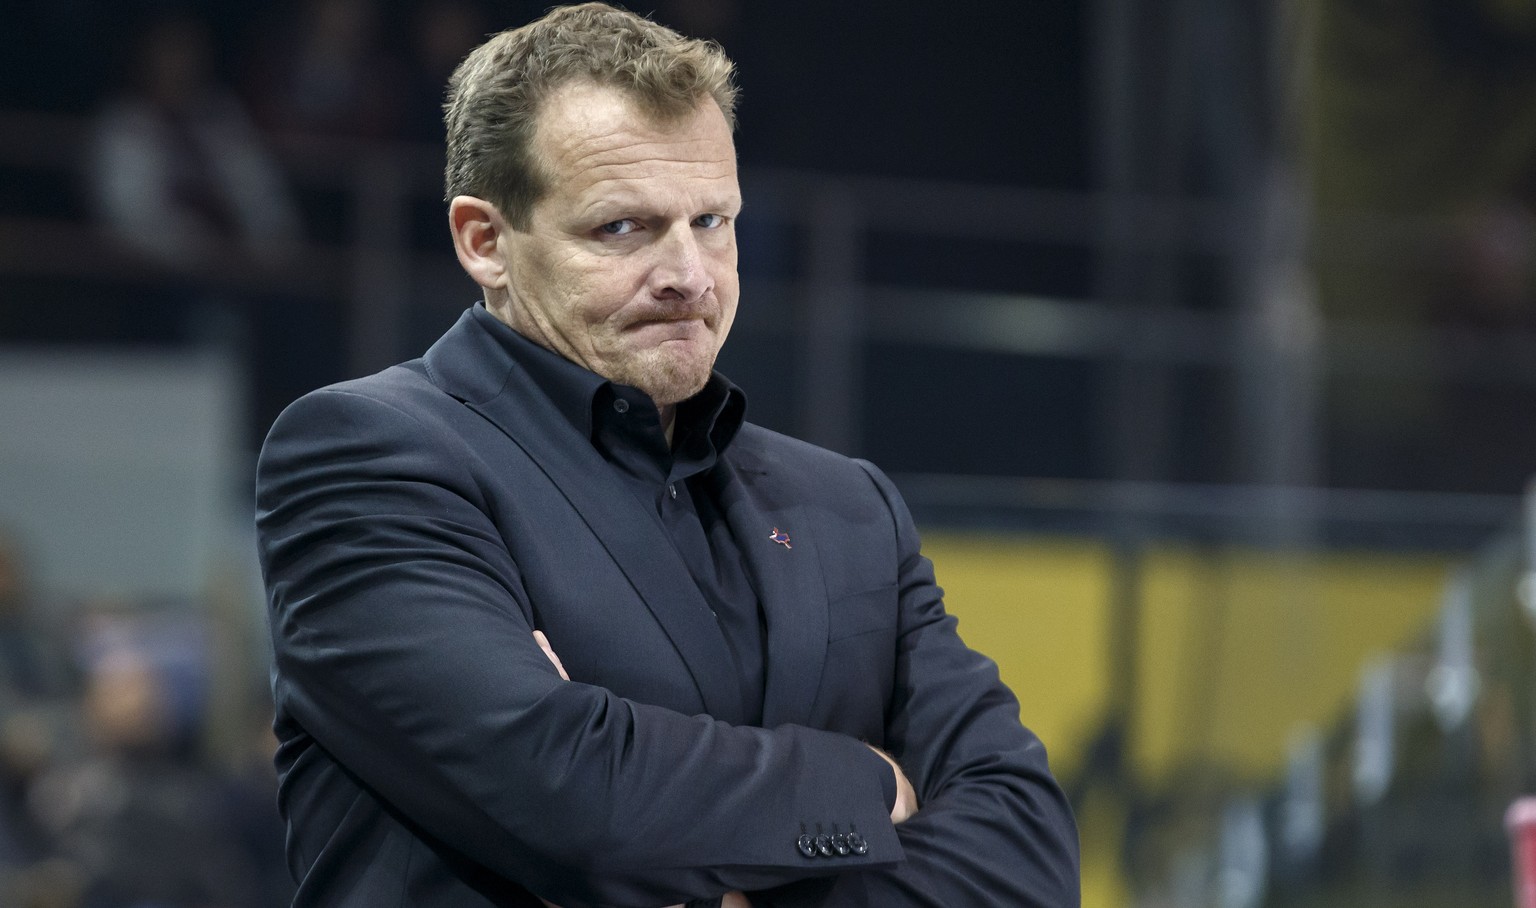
{"points": [[781, 537]]}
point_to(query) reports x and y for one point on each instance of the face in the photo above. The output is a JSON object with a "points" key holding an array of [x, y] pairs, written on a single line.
{"points": [[628, 266]]}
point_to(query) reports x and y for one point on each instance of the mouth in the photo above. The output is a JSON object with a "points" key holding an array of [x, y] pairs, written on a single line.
{"points": [[668, 324], [659, 330]]}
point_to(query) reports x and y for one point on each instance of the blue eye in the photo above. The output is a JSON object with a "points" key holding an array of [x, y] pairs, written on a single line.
{"points": [[709, 221], [617, 228]]}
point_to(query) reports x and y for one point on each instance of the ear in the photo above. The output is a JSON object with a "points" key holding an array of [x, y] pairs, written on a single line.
{"points": [[477, 230]]}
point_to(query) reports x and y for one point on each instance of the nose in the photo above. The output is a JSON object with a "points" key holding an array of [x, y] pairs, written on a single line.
{"points": [[680, 272]]}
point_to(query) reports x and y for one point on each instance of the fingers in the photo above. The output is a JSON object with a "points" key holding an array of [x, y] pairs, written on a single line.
{"points": [[906, 795], [550, 652]]}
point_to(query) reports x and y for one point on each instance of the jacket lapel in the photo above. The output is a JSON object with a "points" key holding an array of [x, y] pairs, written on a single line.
{"points": [[471, 363], [780, 546]]}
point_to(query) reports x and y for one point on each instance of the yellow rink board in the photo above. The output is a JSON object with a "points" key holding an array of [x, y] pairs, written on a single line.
{"points": [[1240, 648], [1037, 606], [1236, 648]]}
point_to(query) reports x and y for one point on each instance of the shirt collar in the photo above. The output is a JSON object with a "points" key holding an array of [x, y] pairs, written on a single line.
{"points": [[716, 412]]}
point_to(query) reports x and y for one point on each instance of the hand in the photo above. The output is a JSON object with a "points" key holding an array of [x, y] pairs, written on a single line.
{"points": [[906, 796], [735, 900], [550, 652]]}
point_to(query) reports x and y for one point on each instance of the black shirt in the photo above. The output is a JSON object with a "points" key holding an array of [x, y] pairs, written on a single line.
{"points": [[671, 483]]}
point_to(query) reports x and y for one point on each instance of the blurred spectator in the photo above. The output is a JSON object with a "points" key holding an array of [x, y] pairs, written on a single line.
{"points": [[180, 176], [33, 662], [328, 74], [177, 172], [35, 718], [137, 819]]}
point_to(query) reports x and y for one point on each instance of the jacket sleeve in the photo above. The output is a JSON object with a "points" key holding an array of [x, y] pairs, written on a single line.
{"points": [[993, 827], [403, 647]]}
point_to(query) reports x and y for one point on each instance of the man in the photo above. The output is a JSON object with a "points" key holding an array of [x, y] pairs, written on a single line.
{"points": [[757, 694]]}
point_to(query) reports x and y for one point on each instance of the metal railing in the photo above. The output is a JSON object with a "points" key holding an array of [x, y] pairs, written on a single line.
{"points": [[822, 313], [1401, 801]]}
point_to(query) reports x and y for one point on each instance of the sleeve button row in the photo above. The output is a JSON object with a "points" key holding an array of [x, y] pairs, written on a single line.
{"points": [[828, 846]]}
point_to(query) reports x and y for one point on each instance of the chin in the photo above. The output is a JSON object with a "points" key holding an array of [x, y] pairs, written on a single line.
{"points": [[674, 392], [671, 382]]}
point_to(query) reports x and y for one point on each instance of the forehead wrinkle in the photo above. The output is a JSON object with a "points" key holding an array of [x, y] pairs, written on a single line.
{"points": [[615, 183], [605, 174], [577, 145], [600, 151]]}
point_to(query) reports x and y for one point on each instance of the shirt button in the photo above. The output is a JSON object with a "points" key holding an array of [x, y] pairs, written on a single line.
{"points": [[672, 489], [621, 406]]}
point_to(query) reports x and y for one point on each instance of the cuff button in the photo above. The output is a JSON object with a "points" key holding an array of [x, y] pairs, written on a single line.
{"points": [[806, 845], [856, 844]]}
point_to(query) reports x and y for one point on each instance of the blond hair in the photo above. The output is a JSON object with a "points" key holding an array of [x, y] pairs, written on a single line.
{"points": [[494, 96]]}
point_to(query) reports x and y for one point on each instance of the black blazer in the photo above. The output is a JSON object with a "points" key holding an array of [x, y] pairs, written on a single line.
{"points": [[417, 525]]}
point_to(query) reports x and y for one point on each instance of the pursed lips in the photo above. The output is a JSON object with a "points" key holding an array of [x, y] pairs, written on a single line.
{"points": [[670, 328], [680, 318]]}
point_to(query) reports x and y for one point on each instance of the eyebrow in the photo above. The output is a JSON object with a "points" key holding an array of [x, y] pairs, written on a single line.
{"points": [[627, 204]]}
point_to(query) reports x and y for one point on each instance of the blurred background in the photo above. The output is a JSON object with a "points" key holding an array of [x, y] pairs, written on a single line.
{"points": [[1200, 336]]}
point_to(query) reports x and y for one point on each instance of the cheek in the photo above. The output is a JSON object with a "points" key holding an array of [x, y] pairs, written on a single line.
{"points": [[576, 292], [604, 287], [727, 281], [722, 248], [725, 264], [727, 314]]}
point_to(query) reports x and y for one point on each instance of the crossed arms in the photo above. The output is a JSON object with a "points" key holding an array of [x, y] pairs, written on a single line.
{"points": [[906, 798]]}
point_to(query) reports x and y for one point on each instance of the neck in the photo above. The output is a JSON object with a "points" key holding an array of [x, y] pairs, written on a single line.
{"points": [[501, 307]]}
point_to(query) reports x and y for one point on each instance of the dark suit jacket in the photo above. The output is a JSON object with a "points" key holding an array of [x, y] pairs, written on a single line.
{"points": [[417, 525]]}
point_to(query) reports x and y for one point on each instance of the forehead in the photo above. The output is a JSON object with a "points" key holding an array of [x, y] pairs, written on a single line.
{"points": [[590, 137]]}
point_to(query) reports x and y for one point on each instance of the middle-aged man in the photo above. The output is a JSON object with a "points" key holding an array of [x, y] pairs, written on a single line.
{"points": [[761, 700]]}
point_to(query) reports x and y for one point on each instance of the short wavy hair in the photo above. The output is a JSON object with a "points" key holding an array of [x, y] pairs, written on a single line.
{"points": [[495, 95]]}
